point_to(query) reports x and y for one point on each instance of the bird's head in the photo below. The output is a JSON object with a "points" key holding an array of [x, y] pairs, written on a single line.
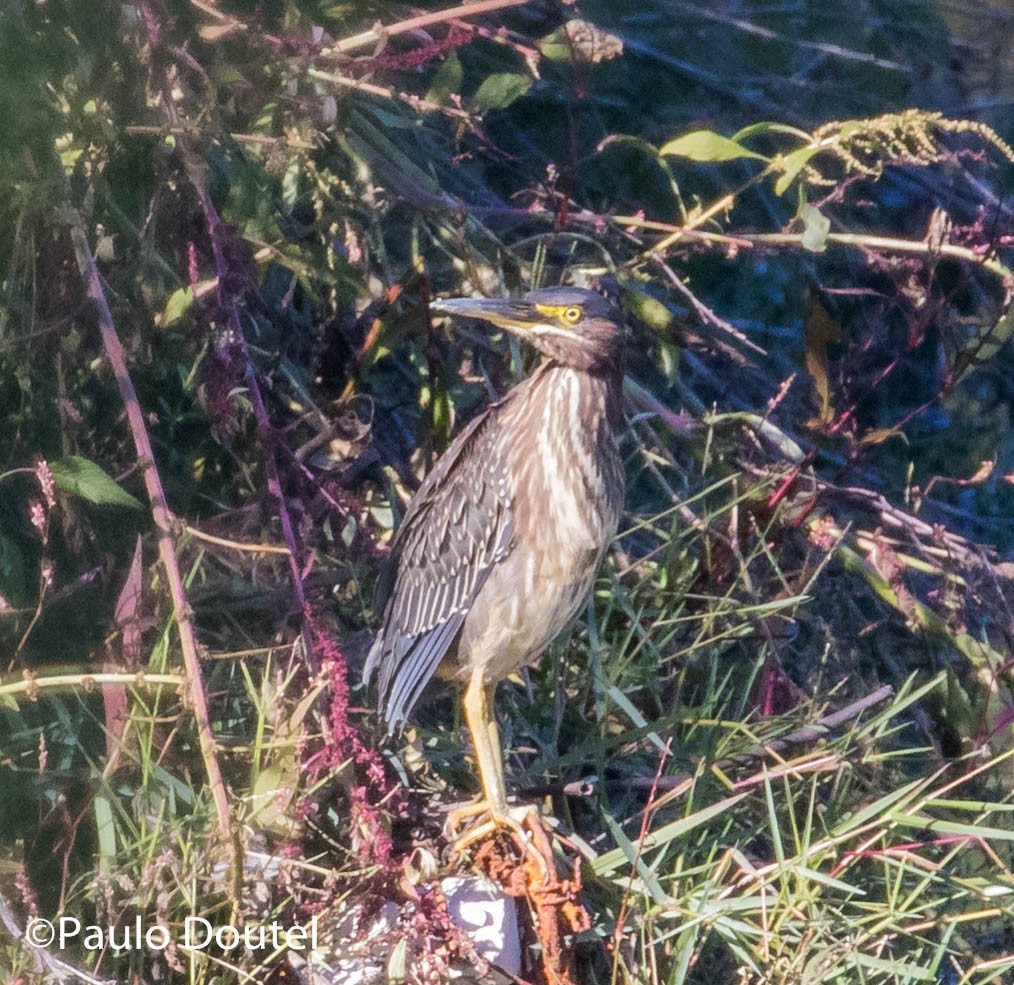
{"points": [[570, 325]]}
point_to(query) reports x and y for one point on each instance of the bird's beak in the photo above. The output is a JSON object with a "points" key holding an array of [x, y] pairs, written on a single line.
{"points": [[519, 317]]}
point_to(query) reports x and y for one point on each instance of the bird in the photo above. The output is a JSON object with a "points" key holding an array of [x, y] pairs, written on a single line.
{"points": [[500, 546]]}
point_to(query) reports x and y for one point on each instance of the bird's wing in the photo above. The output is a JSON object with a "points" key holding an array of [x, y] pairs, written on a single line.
{"points": [[457, 528]]}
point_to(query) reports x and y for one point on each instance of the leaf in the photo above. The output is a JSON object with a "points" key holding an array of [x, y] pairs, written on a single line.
{"points": [[500, 89], [977, 832], [627, 140], [706, 145], [648, 309], [270, 800], [176, 307], [816, 226], [765, 127], [447, 81], [577, 41], [608, 861], [879, 435], [991, 337], [215, 32], [820, 330], [791, 165], [81, 477]]}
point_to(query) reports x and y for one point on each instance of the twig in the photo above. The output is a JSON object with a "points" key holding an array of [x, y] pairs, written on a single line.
{"points": [[705, 313], [235, 545], [835, 51], [889, 245], [31, 684], [288, 141], [160, 514], [810, 733], [682, 424], [740, 241], [460, 12], [385, 92]]}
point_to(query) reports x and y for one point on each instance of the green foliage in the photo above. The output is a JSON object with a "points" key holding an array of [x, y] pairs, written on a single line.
{"points": [[499, 90], [705, 145], [79, 477]]}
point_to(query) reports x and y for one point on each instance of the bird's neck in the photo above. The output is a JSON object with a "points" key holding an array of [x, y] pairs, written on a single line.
{"points": [[594, 398], [563, 456]]}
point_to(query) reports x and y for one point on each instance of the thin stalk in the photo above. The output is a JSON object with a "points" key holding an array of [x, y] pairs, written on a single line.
{"points": [[161, 515]]}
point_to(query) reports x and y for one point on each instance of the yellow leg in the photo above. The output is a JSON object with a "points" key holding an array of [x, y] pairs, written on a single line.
{"points": [[486, 738]]}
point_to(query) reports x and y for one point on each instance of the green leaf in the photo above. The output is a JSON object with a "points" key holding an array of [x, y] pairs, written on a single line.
{"points": [[447, 81], [628, 140], [499, 90], [649, 310], [81, 477], [766, 127], [816, 226], [608, 861], [706, 145], [176, 307], [580, 42], [555, 47], [976, 832], [791, 165]]}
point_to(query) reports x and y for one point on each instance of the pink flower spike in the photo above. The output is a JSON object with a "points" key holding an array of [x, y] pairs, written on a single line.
{"points": [[37, 514], [44, 476]]}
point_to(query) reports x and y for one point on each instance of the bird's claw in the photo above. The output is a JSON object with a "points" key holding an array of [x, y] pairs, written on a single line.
{"points": [[523, 822]]}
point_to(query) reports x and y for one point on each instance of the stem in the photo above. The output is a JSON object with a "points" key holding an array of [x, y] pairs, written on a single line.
{"points": [[197, 175], [31, 684], [423, 20], [160, 514], [889, 245], [385, 92]]}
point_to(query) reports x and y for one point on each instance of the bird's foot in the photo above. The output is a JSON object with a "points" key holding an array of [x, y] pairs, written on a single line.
{"points": [[524, 823]]}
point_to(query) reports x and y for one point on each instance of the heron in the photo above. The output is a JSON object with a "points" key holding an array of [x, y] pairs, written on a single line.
{"points": [[500, 546]]}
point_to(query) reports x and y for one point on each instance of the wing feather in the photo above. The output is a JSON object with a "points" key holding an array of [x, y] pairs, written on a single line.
{"points": [[458, 527]]}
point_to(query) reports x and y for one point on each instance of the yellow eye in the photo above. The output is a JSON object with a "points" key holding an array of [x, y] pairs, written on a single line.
{"points": [[572, 315]]}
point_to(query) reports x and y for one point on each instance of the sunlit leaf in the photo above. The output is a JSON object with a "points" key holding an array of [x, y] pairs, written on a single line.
{"points": [[816, 226], [706, 145], [791, 165], [176, 307], [628, 140], [579, 41], [215, 32], [765, 127], [878, 436]]}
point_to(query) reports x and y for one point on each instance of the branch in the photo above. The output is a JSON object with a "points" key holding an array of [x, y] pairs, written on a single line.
{"points": [[31, 684], [160, 514], [380, 32]]}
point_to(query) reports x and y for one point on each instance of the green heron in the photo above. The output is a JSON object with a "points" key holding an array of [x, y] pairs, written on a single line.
{"points": [[500, 546]]}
